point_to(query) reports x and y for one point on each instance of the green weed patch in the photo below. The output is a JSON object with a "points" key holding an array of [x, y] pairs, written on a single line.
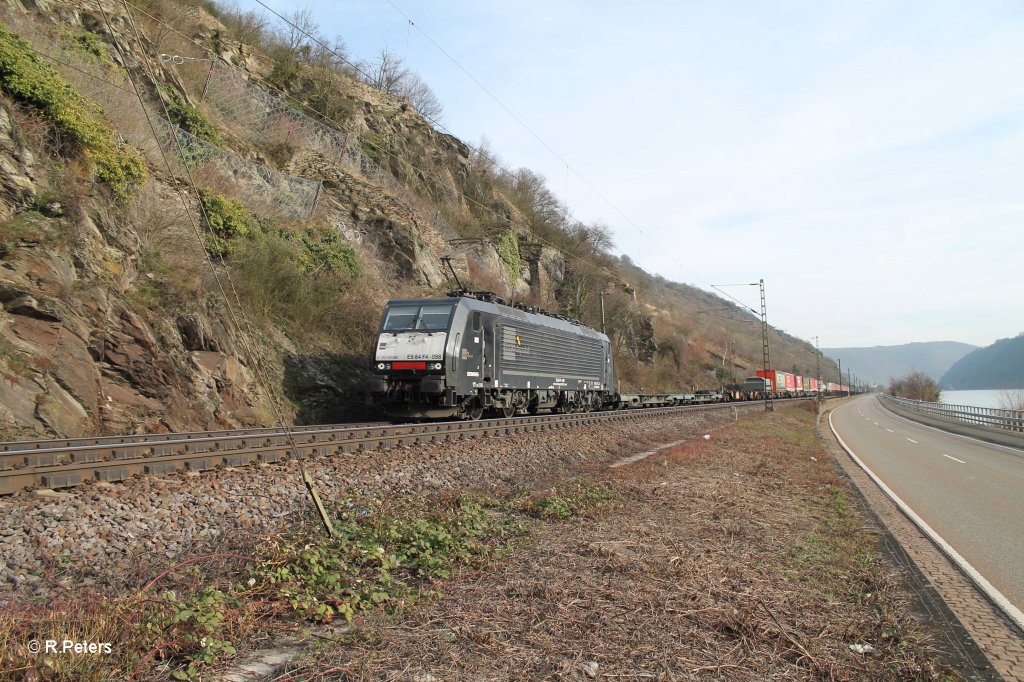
{"points": [[189, 618], [79, 120], [567, 500]]}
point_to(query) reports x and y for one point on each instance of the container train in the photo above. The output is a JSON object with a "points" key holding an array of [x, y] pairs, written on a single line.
{"points": [[471, 353]]}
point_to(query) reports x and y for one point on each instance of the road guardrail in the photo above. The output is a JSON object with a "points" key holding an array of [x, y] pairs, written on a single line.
{"points": [[1005, 427]]}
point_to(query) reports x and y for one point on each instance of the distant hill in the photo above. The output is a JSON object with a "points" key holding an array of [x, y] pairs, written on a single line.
{"points": [[879, 364], [1000, 365]]}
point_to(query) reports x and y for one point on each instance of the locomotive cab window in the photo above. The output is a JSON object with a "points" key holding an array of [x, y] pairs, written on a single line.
{"points": [[416, 317], [434, 317]]}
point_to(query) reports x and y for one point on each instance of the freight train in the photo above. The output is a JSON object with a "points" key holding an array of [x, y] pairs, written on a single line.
{"points": [[471, 353]]}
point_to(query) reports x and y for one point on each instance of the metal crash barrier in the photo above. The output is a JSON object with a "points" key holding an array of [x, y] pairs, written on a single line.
{"points": [[1005, 427]]}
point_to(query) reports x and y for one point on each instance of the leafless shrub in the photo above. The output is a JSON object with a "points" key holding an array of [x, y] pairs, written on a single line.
{"points": [[389, 74], [245, 26], [915, 386], [1011, 399]]}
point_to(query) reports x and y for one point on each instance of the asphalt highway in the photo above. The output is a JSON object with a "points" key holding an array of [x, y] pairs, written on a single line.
{"points": [[971, 493]]}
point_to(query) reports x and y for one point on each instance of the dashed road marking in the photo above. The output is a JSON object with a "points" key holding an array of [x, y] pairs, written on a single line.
{"points": [[954, 458], [912, 441], [890, 430]]}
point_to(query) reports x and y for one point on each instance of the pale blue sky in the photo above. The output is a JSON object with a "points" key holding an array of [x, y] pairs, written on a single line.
{"points": [[865, 158]]}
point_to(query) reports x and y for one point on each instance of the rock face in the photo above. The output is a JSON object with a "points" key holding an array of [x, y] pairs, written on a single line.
{"points": [[85, 348], [77, 356], [546, 271], [16, 185]]}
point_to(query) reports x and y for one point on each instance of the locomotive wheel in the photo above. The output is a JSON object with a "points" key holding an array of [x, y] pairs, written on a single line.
{"points": [[475, 413], [508, 412]]}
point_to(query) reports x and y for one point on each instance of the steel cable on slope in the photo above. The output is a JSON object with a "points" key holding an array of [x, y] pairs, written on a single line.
{"points": [[527, 128], [568, 255], [255, 358], [425, 172]]}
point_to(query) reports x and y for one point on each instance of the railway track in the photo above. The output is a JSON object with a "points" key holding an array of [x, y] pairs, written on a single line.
{"points": [[67, 463], [19, 446]]}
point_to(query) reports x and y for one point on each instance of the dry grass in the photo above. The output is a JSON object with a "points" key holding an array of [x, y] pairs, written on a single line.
{"points": [[734, 558]]}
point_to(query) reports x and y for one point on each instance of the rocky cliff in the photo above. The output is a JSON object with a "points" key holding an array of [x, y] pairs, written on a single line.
{"points": [[235, 273]]}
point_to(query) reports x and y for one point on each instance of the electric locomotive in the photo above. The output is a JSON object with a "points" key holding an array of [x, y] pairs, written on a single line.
{"points": [[471, 353]]}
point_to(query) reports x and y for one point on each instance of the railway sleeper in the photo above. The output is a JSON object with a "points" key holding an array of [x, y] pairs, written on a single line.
{"points": [[60, 480], [111, 475], [85, 457]]}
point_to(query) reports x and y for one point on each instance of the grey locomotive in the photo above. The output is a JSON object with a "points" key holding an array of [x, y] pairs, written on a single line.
{"points": [[472, 353]]}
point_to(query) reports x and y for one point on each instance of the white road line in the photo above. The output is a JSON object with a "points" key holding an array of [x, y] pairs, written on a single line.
{"points": [[997, 598], [890, 430], [954, 458], [876, 423], [1005, 448], [912, 440]]}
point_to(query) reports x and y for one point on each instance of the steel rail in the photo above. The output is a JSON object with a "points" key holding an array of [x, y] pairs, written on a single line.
{"points": [[65, 466], [20, 446]]}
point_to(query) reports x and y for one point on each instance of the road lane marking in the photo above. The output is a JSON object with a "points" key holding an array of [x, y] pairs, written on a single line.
{"points": [[1014, 613], [954, 458], [876, 423], [912, 441], [890, 430], [985, 443]]}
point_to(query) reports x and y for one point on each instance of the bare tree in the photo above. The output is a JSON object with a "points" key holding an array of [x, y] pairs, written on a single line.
{"points": [[915, 386], [421, 97], [386, 73], [245, 26], [532, 196], [389, 73], [299, 28]]}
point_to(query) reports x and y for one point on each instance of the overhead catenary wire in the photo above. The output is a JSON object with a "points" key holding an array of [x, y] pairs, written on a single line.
{"points": [[541, 140], [437, 124], [425, 172]]}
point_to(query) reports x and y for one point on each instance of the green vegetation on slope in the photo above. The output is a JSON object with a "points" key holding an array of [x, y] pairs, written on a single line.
{"points": [[79, 120]]}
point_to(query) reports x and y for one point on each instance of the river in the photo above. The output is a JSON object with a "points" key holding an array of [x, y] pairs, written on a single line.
{"points": [[988, 398]]}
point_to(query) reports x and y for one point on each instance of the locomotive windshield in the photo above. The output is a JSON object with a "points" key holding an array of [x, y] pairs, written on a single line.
{"points": [[417, 317]]}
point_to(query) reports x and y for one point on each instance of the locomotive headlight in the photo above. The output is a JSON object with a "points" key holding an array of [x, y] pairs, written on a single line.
{"points": [[380, 365], [436, 365]]}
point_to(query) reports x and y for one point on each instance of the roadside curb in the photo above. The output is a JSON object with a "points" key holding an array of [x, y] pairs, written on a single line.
{"points": [[991, 593], [973, 635]]}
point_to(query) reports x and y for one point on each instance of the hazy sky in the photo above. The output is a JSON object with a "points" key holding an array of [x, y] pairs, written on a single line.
{"points": [[865, 158]]}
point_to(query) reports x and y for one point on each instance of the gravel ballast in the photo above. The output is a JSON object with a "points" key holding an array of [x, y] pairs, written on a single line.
{"points": [[120, 534]]}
